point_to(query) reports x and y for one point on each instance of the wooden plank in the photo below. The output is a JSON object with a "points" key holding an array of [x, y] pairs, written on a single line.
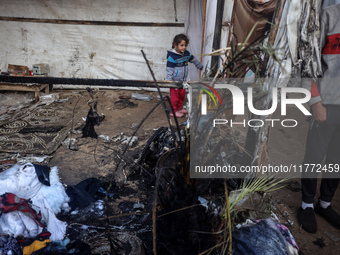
{"points": [[262, 152], [36, 96], [13, 87], [217, 35], [8, 162], [19, 87], [203, 31], [92, 22], [47, 88]]}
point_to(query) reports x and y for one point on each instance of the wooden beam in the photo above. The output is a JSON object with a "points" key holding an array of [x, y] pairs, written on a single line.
{"points": [[251, 139], [231, 23], [217, 34], [203, 31], [19, 87], [91, 22], [273, 31], [90, 82]]}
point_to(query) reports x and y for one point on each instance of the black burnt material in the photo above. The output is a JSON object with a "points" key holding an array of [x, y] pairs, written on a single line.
{"points": [[187, 231], [82, 81], [92, 119]]}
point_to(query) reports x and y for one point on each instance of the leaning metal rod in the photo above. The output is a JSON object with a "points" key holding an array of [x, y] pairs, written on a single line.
{"points": [[160, 94], [128, 143], [157, 86], [154, 212], [176, 121], [107, 223]]}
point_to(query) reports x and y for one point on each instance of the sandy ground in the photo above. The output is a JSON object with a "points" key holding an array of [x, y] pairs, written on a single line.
{"points": [[95, 158]]}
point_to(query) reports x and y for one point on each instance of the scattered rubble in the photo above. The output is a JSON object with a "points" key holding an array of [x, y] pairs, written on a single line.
{"points": [[130, 140], [70, 143], [189, 212]]}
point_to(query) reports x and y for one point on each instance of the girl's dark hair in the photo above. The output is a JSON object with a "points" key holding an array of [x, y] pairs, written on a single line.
{"points": [[178, 38]]}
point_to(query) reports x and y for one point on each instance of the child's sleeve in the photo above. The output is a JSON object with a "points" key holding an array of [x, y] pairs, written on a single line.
{"points": [[196, 62]]}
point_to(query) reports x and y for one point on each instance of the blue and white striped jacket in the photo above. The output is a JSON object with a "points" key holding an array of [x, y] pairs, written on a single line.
{"points": [[177, 65]]}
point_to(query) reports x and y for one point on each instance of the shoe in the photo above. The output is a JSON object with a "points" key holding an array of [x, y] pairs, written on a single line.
{"points": [[178, 115], [307, 220], [329, 214], [183, 111]]}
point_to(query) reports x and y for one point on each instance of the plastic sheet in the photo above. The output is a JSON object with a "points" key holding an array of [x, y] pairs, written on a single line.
{"points": [[91, 51], [23, 181], [105, 51], [263, 237]]}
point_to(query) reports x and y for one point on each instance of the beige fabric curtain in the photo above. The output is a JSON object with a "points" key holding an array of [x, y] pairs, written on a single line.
{"points": [[247, 13]]}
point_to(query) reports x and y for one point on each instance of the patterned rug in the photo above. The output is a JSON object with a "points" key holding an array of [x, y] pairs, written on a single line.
{"points": [[43, 130]]}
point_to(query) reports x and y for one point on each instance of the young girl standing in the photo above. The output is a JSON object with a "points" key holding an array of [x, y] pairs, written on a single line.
{"points": [[177, 70]]}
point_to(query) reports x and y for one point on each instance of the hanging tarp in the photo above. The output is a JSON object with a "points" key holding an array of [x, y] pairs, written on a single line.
{"points": [[90, 39], [247, 13], [193, 28], [309, 40]]}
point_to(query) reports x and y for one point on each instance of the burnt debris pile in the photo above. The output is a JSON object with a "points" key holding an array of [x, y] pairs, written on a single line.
{"points": [[183, 225]]}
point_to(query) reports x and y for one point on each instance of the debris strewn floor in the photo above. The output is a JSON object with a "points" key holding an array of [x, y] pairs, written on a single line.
{"points": [[130, 199]]}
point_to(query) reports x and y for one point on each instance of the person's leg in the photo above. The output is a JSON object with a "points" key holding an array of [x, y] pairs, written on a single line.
{"points": [[328, 188], [175, 101], [318, 141], [181, 100], [323, 207], [330, 179], [331, 172], [174, 98], [181, 96]]}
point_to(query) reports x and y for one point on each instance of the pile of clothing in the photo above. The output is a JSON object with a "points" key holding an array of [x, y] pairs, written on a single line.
{"points": [[30, 198]]}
